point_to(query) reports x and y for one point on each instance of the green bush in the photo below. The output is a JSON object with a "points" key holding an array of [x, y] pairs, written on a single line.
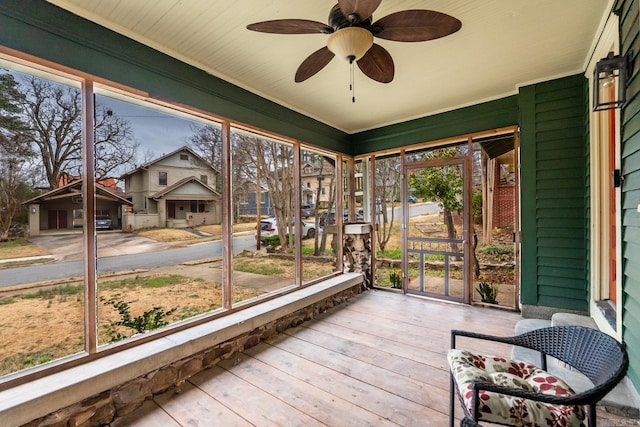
{"points": [[275, 240], [149, 320], [271, 241]]}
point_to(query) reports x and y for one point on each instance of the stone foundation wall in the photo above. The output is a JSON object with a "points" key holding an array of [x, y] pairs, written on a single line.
{"points": [[104, 408]]}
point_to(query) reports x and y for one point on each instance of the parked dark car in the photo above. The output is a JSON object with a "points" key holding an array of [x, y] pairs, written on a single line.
{"points": [[306, 211], [103, 222]]}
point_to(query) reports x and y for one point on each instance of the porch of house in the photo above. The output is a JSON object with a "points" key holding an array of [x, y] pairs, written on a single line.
{"points": [[379, 359]]}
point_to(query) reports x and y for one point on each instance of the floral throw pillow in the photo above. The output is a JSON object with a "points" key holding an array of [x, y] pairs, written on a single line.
{"points": [[467, 367]]}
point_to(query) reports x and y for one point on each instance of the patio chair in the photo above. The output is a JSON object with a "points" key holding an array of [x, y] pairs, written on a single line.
{"points": [[504, 391]]}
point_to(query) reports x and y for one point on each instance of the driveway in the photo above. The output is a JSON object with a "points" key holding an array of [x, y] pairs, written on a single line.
{"points": [[68, 247]]}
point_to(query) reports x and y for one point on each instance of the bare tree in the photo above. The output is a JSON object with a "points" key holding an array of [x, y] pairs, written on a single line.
{"points": [[387, 192], [269, 163], [53, 114], [114, 143], [207, 142], [244, 172], [326, 169], [275, 164]]}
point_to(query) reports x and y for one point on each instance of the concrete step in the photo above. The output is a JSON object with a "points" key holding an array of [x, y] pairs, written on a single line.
{"points": [[570, 319]]}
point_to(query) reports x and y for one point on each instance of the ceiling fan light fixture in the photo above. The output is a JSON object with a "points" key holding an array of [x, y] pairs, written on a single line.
{"points": [[350, 43]]}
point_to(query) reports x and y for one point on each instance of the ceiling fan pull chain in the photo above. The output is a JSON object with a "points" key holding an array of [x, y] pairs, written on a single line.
{"points": [[352, 85]]}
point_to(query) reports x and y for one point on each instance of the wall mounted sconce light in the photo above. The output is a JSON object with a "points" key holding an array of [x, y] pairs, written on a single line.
{"points": [[33, 209], [610, 73]]}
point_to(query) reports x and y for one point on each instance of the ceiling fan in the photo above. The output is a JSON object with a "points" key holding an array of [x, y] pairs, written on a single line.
{"points": [[351, 31]]}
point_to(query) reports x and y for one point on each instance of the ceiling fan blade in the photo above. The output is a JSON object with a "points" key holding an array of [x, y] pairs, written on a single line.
{"points": [[377, 64], [290, 26], [415, 26], [363, 8], [314, 63]]}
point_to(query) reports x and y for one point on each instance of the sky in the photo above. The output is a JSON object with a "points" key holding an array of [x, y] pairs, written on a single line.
{"points": [[155, 129]]}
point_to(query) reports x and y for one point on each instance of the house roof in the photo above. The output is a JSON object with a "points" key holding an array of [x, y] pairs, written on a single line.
{"points": [[181, 183], [503, 44], [165, 156], [74, 189], [496, 146]]}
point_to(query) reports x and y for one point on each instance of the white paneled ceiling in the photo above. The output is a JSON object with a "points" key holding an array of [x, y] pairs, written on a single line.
{"points": [[502, 45]]}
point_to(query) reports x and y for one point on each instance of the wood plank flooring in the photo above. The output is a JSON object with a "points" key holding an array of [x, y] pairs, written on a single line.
{"points": [[379, 360]]}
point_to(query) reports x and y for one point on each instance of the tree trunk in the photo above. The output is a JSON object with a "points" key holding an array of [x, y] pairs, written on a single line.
{"points": [[448, 222], [451, 230], [476, 261]]}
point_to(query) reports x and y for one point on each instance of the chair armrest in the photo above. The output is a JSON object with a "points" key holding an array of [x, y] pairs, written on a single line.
{"points": [[513, 340], [455, 333]]}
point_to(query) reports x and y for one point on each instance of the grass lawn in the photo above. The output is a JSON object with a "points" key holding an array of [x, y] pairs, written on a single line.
{"points": [[38, 326], [183, 235], [20, 249]]}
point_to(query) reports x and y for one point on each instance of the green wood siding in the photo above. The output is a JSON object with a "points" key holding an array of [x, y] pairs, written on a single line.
{"points": [[488, 115], [630, 151], [82, 45], [553, 188]]}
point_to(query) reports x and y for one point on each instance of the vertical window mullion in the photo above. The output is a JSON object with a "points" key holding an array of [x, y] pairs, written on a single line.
{"points": [[339, 214], [88, 202], [227, 227], [296, 214]]}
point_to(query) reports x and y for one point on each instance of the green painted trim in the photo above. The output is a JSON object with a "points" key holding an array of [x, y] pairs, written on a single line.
{"points": [[488, 115], [528, 162], [82, 45]]}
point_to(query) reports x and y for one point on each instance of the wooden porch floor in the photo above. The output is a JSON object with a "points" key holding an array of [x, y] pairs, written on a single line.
{"points": [[378, 360]]}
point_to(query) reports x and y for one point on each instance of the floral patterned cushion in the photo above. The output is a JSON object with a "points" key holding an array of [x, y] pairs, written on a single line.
{"points": [[467, 367]]}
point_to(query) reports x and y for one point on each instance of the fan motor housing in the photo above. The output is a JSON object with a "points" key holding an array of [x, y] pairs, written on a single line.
{"points": [[337, 20]]}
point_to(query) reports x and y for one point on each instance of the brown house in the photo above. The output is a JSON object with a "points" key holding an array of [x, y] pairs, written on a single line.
{"points": [[61, 208]]}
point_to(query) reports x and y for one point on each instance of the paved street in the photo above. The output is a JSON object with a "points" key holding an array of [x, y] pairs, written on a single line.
{"points": [[143, 260]]}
